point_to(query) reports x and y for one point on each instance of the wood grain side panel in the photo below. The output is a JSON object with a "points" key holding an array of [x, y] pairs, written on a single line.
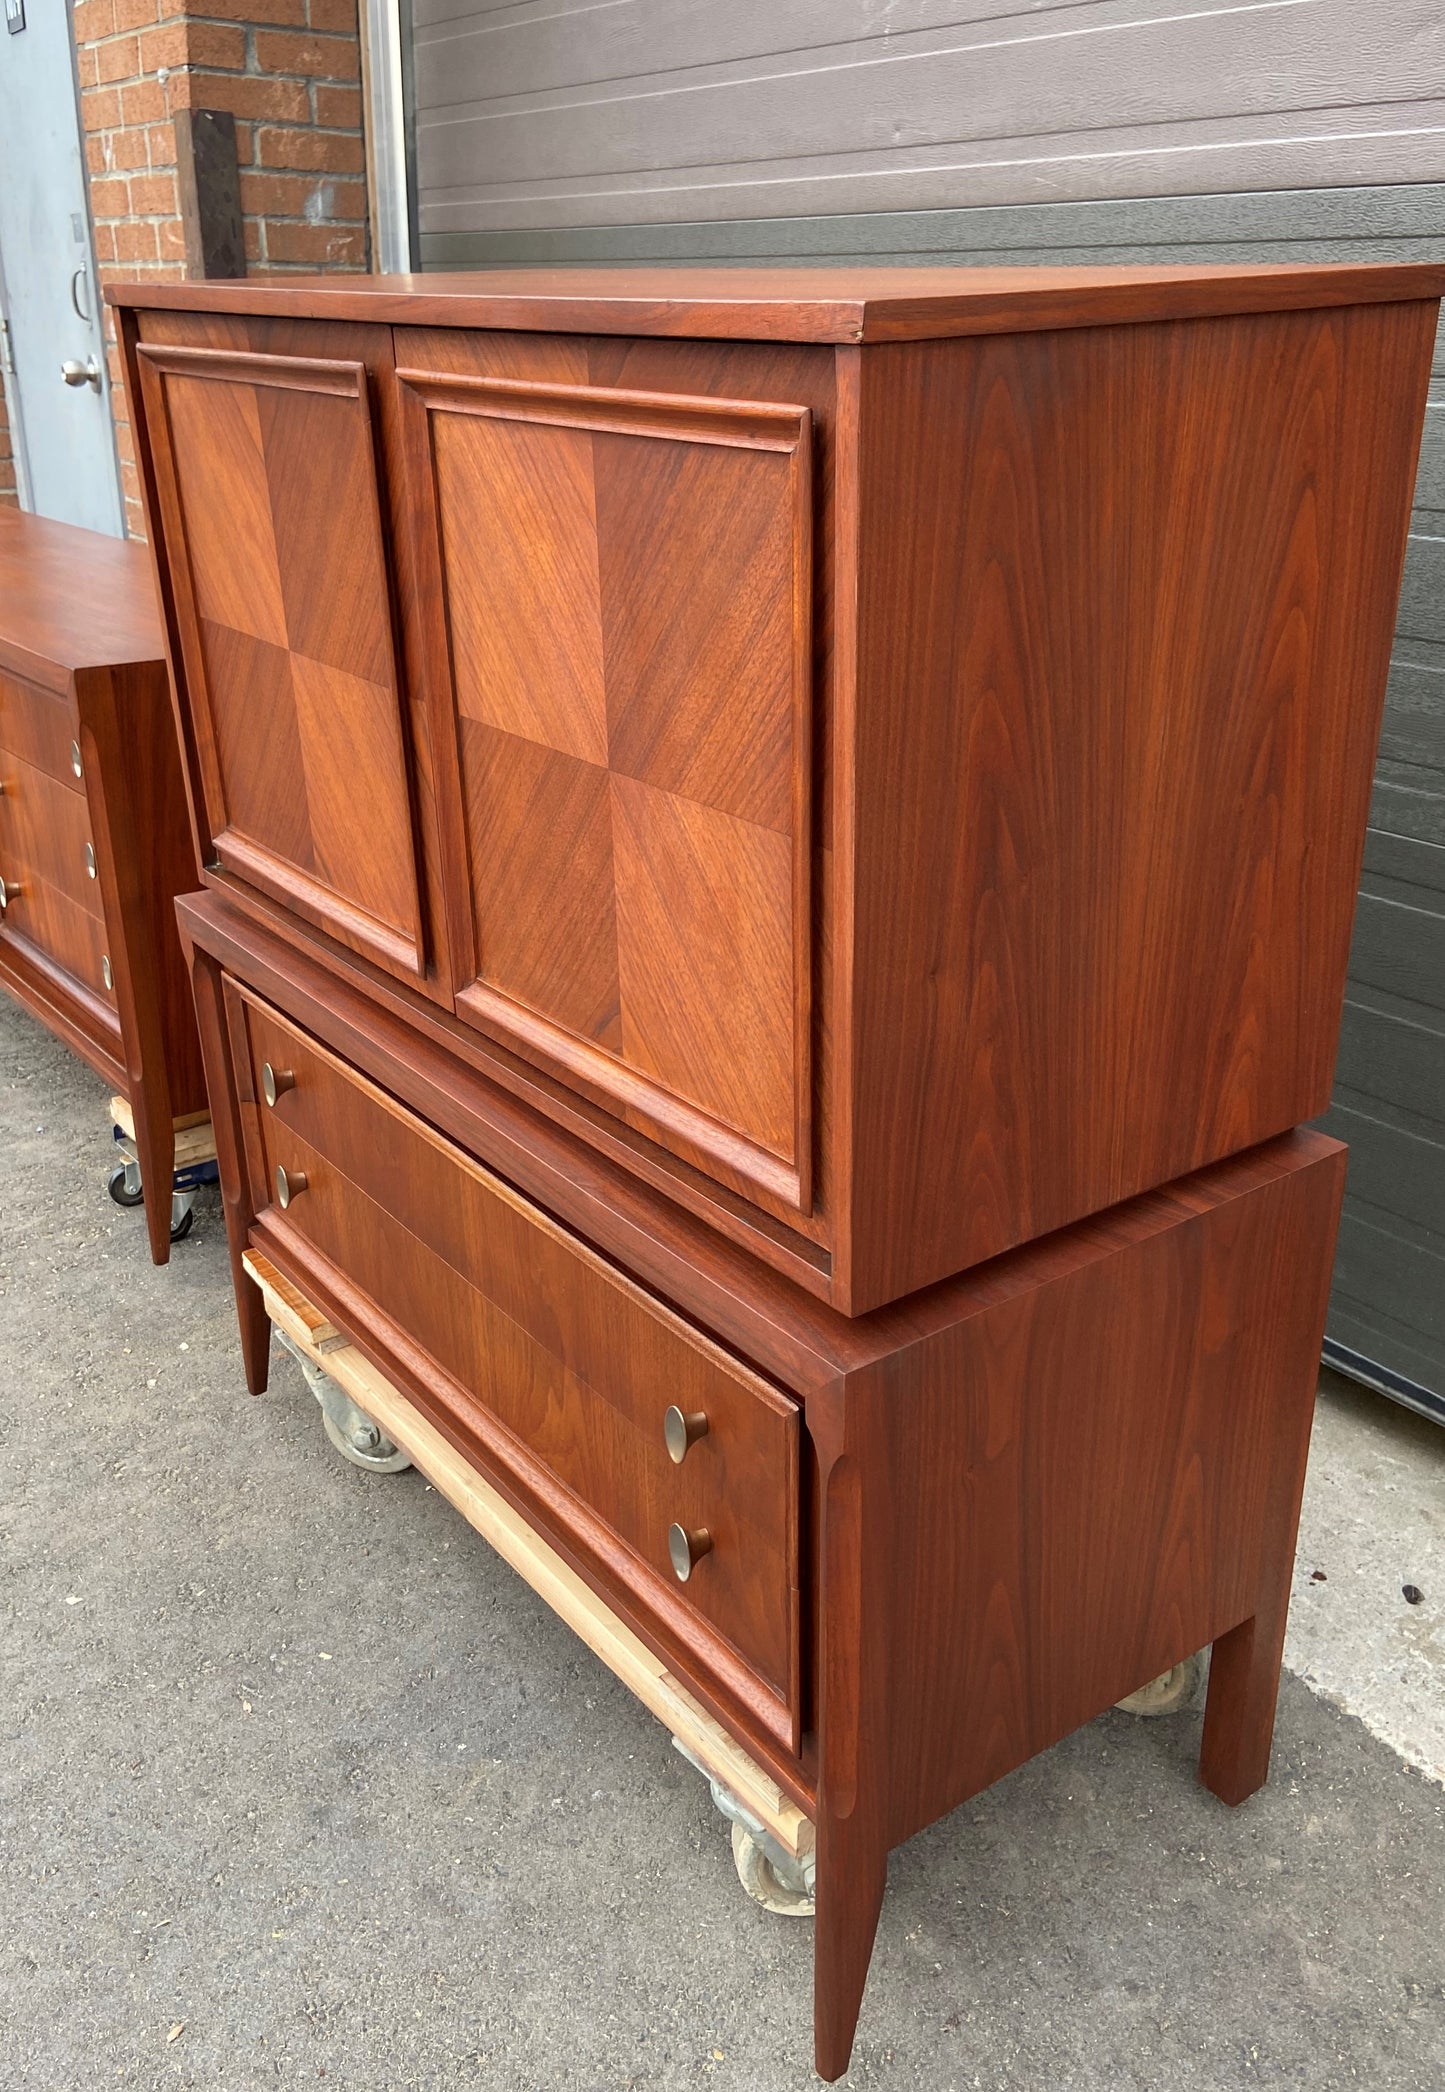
{"points": [[1138, 585], [1082, 1483]]}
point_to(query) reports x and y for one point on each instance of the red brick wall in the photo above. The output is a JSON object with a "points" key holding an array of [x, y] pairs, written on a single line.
{"points": [[288, 70]]}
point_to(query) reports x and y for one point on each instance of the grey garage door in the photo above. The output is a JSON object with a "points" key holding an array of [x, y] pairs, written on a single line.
{"points": [[1082, 130]]}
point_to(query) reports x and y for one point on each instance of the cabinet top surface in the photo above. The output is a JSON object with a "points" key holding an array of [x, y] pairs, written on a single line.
{"points": [[858, 304], [72, 599]]}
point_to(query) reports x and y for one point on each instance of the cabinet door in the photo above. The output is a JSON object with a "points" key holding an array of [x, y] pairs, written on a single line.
{"points": [[267, 482], [622, 662]]}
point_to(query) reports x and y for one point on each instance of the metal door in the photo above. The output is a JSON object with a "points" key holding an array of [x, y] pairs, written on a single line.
{"points": [[54, 346]]}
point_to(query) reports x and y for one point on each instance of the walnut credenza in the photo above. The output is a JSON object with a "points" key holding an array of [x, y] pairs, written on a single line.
{"points": [[95, 843], [783, 846]]}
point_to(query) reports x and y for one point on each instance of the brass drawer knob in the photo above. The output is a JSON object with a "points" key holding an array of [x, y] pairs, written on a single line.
{"points": [[90, 859], [105, 970], [680, 1431], [288, 1184], [274, 1081], [686, 1549], [75, 762], [9, 891]]}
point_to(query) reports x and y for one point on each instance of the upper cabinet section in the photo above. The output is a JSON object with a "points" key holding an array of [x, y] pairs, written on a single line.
{"points": [[267, 482], [893, 748], [622, 662]]}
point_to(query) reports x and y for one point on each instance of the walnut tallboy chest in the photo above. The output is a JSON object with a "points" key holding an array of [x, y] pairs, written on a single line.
{"points": [[94, 840], [782, 845]]}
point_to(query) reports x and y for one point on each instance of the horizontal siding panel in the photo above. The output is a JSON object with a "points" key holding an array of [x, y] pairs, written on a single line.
{"points": [[1380, 1273], [1394, 865], [493, 53], [1389, 1060], [1414, 726], [1399, 223], [1409, 801], [1396, 1179], [1109, 99], [1430, 479], [1388, 1343], [1422, 595], [1400, 949]]}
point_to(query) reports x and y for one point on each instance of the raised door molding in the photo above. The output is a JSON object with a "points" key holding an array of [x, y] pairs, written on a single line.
{"points": [[266, 476], [621, 658]]}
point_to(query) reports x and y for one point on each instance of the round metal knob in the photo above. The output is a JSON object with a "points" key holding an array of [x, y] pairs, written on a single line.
{"points": [[9, 891], [75, 762], [686, 1549], [288, 1184], [77, 373], [274, 1081], [105, 972], [90, 860], [680, 1431]]}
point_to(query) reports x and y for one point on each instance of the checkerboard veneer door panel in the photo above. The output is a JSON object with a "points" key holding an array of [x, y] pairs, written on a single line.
{"points": [[626, 582], [266, 467]]}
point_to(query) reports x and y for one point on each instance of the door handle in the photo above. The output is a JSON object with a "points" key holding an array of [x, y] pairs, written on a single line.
{"points": [[75, 282], [81, 373]]}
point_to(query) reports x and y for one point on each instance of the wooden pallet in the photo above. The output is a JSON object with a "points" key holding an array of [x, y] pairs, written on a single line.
{"points": [[195, 1142], [574, 1601]]}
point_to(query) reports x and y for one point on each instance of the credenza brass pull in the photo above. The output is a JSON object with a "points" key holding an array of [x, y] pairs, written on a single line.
{"points": [[680, 1431], [686, 1549], [75, 762], [9, 891], [288, 1184], [90, 859], [274, 1081], [105, 970]]}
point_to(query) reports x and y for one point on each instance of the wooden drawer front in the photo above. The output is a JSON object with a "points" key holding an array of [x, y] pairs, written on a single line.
{"points": [[574, 1360], [45, 833], [54, 907], [50, 924], [267, 482], [624, 580], [38, 728]]}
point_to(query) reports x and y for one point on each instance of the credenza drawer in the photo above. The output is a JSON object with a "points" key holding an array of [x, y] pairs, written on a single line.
{"points": [[45, 830], [52, 900], [40, 728], [534, 1333]]}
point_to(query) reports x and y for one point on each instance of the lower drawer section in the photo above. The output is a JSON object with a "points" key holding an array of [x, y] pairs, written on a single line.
{"points": [[556, 1367]]}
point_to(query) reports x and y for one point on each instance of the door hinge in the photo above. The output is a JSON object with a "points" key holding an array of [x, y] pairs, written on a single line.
{"points": [[7, 356]]}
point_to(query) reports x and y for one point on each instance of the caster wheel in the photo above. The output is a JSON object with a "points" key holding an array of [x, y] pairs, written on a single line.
{"points": [[124, 1185], [1167, 1693], [367, 1447], [182, 1227], [757, 1875]]}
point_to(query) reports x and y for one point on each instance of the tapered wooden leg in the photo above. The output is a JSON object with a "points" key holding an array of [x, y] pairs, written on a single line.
{"points": [[230, 1164], [1239, 1713], [155, 1146], [255, 1332], [852, 1875]]}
